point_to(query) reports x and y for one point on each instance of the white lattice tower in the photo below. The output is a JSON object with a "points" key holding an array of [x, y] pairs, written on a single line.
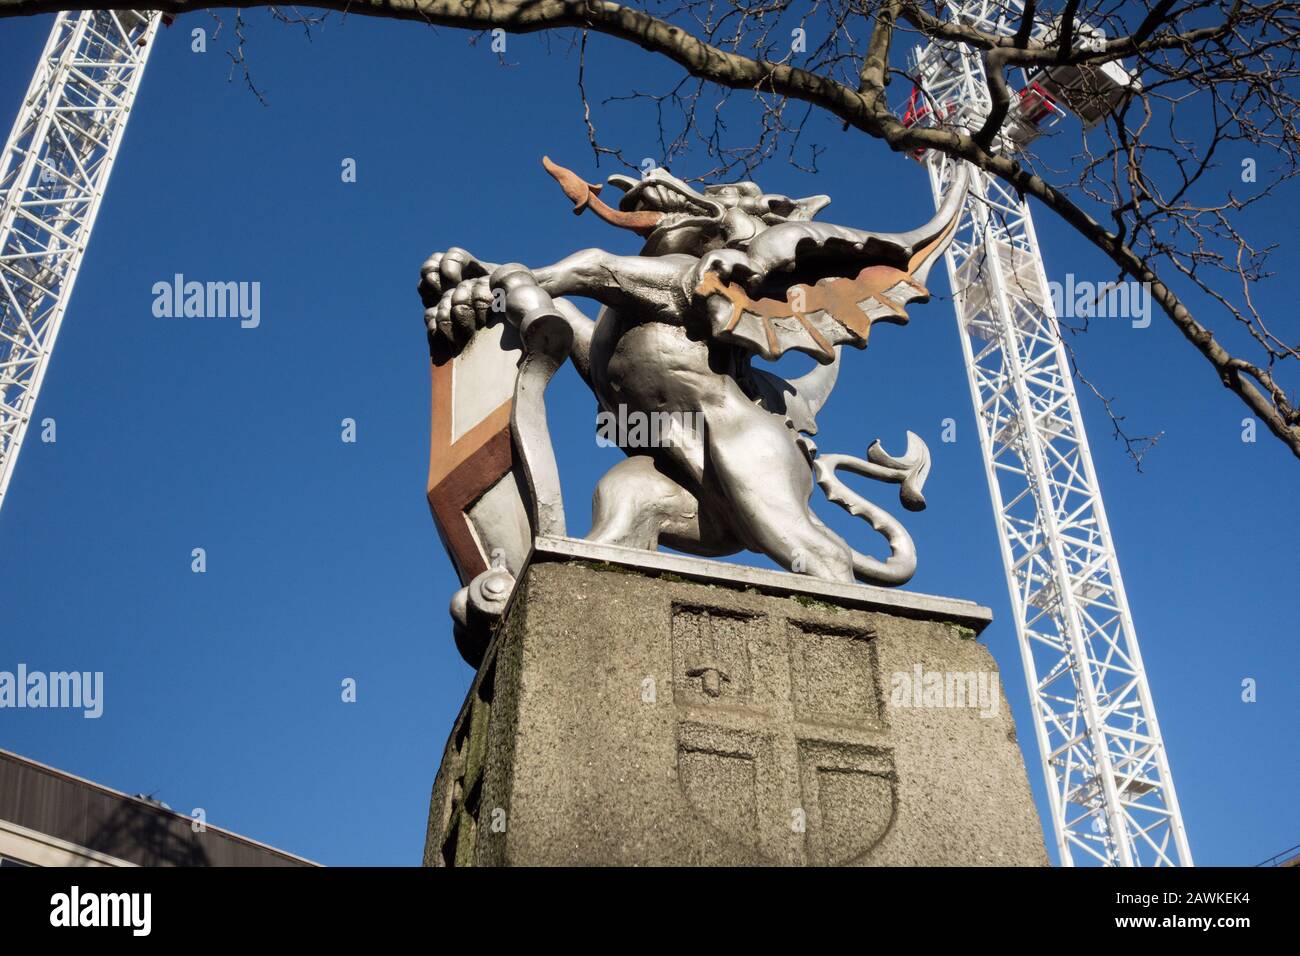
{"points": [[52, 177], [1109, 788]]}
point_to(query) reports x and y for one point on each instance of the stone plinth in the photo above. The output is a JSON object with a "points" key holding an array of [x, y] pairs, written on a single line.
{"points": [[648, 709]]}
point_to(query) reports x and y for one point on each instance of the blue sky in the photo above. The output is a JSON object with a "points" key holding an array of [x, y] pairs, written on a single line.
{"points": [[223, 689]]}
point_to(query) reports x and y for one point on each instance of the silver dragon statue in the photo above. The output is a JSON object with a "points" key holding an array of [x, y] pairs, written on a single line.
{"points": [[727, 272]]}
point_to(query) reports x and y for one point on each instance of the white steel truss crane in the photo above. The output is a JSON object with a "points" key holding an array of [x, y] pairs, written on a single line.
{"points": [[52, 178], [1108, 783], [1109, 787]]}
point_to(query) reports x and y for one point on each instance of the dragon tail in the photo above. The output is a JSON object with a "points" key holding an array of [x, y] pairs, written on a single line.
{"points": [[910, 471]]}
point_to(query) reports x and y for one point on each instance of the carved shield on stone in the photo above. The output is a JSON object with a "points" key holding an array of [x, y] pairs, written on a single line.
{"points": [[476, 491], [782, 743]]}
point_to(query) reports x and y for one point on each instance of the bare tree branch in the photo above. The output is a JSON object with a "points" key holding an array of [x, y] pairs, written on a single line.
{"points": [[1237, 61]]}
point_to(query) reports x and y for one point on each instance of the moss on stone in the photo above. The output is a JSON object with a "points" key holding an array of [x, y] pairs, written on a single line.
{"points": [[813, 604], [640, 572], [963, 632], [606, 566]]}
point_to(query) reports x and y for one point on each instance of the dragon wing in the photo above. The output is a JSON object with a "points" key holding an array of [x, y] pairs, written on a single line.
{"points": [[836, 309]]}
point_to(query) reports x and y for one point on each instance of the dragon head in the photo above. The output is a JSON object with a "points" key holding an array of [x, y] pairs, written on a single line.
{"points": [[769, 277], [674, 217]]}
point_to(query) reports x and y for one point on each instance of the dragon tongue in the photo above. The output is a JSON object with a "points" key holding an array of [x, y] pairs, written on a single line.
{"points": [[642, 223], [583, 196]]}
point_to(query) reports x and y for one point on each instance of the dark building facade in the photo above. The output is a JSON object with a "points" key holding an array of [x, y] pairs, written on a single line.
{"points": [[51, 818]]}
